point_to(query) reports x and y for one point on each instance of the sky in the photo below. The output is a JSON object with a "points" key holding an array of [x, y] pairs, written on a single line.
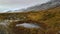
{"points": [[18, 4]]}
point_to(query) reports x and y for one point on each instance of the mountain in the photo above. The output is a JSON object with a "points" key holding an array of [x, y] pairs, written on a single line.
{"points": [[44, 6], [50, 4]]}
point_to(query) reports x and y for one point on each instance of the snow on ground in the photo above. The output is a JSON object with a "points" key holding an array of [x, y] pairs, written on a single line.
{"points": [[28, 25]]}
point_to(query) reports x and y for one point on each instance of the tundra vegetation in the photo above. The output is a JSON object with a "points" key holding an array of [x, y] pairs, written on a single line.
{"points": [[48, 20]]}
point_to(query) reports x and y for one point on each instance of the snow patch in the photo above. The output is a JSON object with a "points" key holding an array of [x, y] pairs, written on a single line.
{"points": [[28, 25]]}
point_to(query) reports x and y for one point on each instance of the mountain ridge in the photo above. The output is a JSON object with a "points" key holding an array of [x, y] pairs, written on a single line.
{"points": [[48, 5]]}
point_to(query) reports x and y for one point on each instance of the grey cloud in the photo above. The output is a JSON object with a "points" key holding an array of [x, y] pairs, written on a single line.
{"points": [[21, 1]]}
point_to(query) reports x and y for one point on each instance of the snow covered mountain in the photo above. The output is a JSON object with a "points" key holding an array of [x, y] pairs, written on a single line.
{"points": [[44, 6], [50, 4]]}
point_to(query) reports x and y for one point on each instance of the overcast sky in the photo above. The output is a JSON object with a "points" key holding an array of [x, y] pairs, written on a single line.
{"points": [[18, 4]]}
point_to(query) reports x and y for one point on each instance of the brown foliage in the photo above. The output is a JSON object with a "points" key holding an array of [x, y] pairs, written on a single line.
{"points": [[49, 20]]}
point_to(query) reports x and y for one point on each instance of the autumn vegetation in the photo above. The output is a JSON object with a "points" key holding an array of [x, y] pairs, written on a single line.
{"points": [[49, 20]]}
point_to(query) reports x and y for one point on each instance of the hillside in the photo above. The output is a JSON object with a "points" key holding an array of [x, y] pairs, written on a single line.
{"points": [[49, 20]]}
